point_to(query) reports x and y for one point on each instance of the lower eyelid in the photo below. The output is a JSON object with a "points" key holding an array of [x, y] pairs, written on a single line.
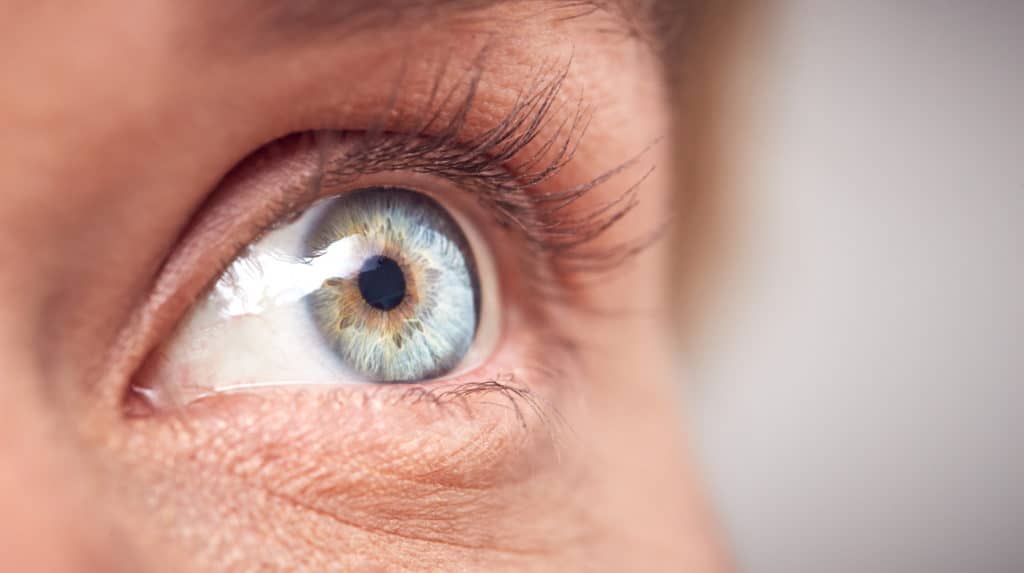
{"points": [[381, 455]]}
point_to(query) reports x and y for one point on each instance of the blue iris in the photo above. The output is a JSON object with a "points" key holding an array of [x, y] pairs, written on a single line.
{"points": [[408, 309]]}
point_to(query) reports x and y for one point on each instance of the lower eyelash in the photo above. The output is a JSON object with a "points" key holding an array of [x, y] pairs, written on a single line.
{"points": [[503, 386]]}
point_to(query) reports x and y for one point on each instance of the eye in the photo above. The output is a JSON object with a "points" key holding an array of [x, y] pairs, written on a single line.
{"points": [[378, 284], [360, 257]]}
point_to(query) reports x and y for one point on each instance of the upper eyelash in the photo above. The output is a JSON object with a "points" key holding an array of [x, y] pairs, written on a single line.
{"points": [[563, 241]]}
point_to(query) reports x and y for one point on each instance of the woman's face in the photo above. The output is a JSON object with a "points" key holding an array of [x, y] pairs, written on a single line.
{"points": [[337, 285]]}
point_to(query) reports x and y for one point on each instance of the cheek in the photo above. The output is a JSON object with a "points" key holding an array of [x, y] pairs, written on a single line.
{"points": [[58, 512], [388, 473]]}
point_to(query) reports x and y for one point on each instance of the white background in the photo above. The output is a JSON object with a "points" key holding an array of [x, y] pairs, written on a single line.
{"points": [[858, 399]]}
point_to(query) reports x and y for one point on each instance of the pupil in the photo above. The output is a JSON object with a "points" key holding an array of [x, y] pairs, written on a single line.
{"points": [[382, 283]]}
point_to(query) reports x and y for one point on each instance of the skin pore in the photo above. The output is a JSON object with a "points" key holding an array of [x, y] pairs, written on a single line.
{"points": [[132, 173]]}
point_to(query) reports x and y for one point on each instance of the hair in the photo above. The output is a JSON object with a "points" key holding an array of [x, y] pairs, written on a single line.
{"points": [[700, 41]]}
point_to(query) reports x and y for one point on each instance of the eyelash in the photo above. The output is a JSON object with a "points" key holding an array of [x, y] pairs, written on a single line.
{"points": [[559, 254]]}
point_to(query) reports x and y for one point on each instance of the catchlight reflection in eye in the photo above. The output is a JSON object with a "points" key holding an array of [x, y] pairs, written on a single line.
{"points": [[376, 285]]}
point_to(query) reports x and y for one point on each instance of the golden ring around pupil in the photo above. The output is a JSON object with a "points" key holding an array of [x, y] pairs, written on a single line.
{"points": [[353, 311]]}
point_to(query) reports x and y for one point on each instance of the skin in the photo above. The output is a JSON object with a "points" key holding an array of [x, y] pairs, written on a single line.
{"points": [[121, 119]]}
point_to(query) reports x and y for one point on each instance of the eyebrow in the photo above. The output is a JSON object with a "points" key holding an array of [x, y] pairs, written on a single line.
{"points": [[291, 18]]}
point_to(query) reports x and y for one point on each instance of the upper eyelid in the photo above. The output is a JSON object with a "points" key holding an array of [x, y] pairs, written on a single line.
{"points": [[479, 161], [441, 143], [505, 166]]}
